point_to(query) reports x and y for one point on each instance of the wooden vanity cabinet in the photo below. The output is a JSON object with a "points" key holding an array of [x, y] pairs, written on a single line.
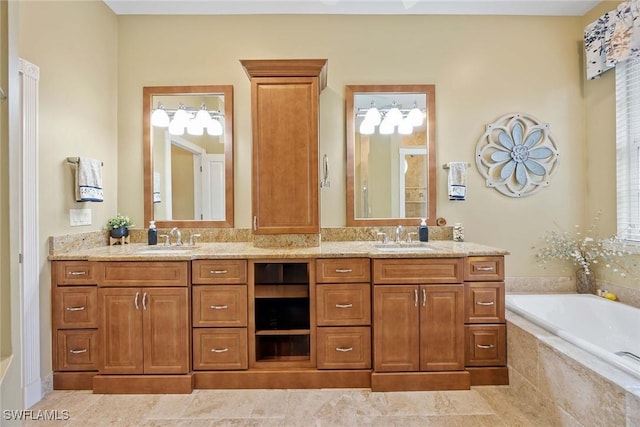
{"points": [[418, 326], [284, 105], [74, 312], [144, 327], [485, 327]]}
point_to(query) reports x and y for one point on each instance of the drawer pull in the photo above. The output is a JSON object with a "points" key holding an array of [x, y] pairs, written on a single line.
{"points": [[344, 270], [72, 351], [484, 346], [75, 308], [218, 271], [219, 307], [219, 350], [344, 350], [484, 268], [484, 303], [135, 301], [344, 305], [77, 273]]}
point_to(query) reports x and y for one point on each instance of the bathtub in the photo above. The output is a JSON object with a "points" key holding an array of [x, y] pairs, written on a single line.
{"points": [[609, 330]]}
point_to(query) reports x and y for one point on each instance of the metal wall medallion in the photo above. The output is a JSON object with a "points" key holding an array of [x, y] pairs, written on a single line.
{"points": [[517, 155]]}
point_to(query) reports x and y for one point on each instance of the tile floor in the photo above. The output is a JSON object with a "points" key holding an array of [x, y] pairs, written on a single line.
{"points": [[480, 406]]}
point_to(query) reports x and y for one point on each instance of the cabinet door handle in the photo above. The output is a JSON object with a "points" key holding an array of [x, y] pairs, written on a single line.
{"points": [[75, 308], [72, 351], [219, 350], [218, 272], [255, 222], [343, 349], [485, 303], [77, 273], [219, 307], [484, 346], [344, 305], [135, 301], [415, 297], [144, 301], [344, 270], [484, 268], [424, 297]]}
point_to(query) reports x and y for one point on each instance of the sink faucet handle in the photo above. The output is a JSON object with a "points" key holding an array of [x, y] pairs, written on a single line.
{"points": [[399, 231], [166, 239], [385, 238], [192, 239], [409, 234], [176, 230]]}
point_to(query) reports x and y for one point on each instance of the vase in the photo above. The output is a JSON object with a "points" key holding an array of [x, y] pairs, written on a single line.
{"points": [[585, 283], [119, 232]]}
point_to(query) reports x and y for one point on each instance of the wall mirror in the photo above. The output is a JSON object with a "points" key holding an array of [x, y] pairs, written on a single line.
{"points": [[188, 156], [390, 154]]}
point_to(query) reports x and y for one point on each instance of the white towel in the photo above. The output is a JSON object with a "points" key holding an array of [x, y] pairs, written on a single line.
{"points": [[457, 181], [156, 188], [89, 180]]}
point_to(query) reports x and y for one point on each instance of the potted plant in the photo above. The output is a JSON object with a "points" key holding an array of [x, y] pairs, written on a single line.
{"points": [[118, 226]]}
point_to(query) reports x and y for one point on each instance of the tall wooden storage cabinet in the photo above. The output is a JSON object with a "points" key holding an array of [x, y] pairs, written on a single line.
{"points": [[284, 98]]}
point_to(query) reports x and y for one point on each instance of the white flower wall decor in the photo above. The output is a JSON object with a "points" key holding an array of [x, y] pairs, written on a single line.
{"points": [[517, 155]]}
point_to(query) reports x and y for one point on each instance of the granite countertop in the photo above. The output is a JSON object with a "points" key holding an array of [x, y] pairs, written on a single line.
{"points": [[361, 249]]}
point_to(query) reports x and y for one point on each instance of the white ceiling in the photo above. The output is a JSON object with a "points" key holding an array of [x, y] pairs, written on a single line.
{"points": [[350, 7]]}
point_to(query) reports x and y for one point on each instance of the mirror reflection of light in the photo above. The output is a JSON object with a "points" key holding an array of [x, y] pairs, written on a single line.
{"points": [[394, 116], [194, 128], [214, 128], [386, 127], [367, 128], [181, 117], [405, 127], [175, 128], [373, 116], [159, 117], [415, 116], [203, 118]]}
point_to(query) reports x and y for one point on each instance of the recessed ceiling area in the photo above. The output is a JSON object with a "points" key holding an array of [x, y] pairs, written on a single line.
{"points": [[352, 7]]}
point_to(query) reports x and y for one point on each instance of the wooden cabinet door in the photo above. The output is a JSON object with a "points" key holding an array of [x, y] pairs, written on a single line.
{"points": [[121, 331], [395, 328], [441, 327], [285, 155], [166, 330]]}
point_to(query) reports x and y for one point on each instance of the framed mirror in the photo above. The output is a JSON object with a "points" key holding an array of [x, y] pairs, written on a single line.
{"points": [[391, 148], [188, 156]]}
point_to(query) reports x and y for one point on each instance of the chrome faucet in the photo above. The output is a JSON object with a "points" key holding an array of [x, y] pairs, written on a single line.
{"points": [[175, 230], [399, 231]]}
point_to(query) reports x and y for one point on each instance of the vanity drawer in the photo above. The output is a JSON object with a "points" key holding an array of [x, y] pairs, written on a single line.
{"points": [[77, 350], [209, 272], [74, 273], [417, 271], [75, 307], [484, 302], [484, 268], [220, 349], [343, 270], [141, 273], [342, 305], [485, 345], [224, 305], [344, 348]]}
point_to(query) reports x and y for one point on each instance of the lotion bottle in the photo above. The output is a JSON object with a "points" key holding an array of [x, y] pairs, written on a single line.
{"points": [[423, 231], [152, 233]]}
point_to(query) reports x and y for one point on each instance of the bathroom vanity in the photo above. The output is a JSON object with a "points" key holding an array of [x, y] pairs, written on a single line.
{"points": [[230, 315]]}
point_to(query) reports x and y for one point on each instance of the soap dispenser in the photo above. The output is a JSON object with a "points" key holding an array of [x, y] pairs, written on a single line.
{"points": [[423, 231], [152, 233]]}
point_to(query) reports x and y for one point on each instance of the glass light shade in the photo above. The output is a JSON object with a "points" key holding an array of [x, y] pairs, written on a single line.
{"points": [[194, 128], [386, 127], [373, 116], [416, 117], [367, 128], [181, 117], [159, 118], [214, 128], [175, 128], [405, 127], [203, 118], [395, 116]]}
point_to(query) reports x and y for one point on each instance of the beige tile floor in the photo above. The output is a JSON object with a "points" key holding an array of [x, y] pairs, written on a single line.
{"points": [[480, 406]]}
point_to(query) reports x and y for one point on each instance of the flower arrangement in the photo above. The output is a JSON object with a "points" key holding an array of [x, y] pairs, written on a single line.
{"points": [[583, 251], [119, 221]]}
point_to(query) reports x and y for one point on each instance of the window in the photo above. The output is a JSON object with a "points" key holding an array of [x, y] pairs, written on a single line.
{"points": [[628, 149]]}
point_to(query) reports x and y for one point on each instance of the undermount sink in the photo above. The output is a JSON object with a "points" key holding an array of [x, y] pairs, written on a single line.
{"points": [[404, 247], [166, 250]]}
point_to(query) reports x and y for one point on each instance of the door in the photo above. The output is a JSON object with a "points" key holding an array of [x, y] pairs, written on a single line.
{"points": [[395, 328], [166, 331], [120, 331], [441, 327]]}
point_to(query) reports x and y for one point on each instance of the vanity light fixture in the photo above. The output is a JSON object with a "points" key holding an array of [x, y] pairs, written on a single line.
{"points": [[394, 115], [388, 118], [386, 126], [415, 116], [159, 117], [194, 121], [405, 127], [373, 115]]}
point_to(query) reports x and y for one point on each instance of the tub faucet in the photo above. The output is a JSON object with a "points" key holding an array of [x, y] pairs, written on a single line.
{"points": [[176, 230], [399, 231]]}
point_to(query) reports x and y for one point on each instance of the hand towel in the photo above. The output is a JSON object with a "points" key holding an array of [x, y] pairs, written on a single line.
{"points": [[89, 180], [457, 181]]}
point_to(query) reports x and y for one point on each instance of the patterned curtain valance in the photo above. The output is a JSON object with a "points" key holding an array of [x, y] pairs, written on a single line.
{"points": [[612, 38]]}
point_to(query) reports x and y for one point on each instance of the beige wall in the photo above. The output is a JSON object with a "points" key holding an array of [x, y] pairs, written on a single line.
{"points": [[483, 68], [75, 46]]}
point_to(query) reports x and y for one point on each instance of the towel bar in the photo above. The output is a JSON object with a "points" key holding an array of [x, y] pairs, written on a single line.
{"points": [[76, 160], [446, 165]]}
